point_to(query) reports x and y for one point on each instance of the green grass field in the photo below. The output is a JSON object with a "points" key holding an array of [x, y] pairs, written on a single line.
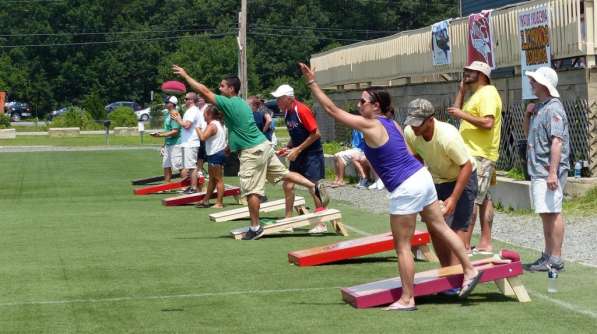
{"points": [[83, 140], [81, 254]]}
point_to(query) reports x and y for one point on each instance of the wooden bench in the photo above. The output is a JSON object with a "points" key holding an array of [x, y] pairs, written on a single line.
{"points": [[241, 213], [332, 216]]}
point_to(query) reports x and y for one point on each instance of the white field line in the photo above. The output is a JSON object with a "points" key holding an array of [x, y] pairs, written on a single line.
{"points": [[568, 306], [356, 230], [182, 296]]}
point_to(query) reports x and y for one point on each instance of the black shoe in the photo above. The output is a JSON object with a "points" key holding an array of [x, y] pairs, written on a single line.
{"points": [[539, 265], [322, 194], [254, 235], [189, 191]]}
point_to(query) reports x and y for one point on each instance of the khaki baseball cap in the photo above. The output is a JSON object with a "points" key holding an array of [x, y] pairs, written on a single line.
{"points": [[418, 111]]}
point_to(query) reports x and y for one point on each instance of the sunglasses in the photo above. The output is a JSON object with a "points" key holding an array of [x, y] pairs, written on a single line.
{"points": [[363, 101]]}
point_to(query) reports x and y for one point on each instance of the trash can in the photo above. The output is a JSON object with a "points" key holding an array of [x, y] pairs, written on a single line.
{"points": [[522, 153]]}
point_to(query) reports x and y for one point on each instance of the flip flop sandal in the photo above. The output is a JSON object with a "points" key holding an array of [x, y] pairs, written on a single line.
{"points": [[483, 251], [202, 205], [399, 307], [470, 286]]}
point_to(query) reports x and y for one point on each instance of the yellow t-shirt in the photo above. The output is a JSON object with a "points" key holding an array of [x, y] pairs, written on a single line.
{"points": [[484, 143], [443, 154]]}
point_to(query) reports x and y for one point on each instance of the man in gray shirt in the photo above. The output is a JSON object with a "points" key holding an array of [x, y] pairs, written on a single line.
{"points": [[546, 126]]}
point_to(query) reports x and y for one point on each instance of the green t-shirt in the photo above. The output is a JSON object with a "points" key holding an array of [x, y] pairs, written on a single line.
{"points": [[238, 116], [169, 125]]}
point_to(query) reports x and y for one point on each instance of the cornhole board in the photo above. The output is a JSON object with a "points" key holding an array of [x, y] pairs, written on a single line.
{"points": [[504, 271], [197, 197], [240, 213], [158, 188], [344, 250], [153, 179], [329, 215]]}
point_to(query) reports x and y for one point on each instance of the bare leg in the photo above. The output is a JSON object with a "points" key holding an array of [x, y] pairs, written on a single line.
{"points": [[219, 181], [167, 174], [211, 185], [193, 173], [434, 220], [199, 169], [486, 219], [358, 165], [403, 227], [339, 171], [297, 178], [471, 227], [254, 202], [553, 229], [289, 196]]}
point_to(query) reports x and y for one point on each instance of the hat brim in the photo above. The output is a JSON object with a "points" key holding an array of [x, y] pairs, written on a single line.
{"points": [[543, 82], [414, 121]]}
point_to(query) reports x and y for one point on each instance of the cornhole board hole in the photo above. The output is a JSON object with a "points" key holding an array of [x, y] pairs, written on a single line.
{"points": [[153, 179], [198, 197], [504, 271], [332, 216], [344, 250], [240, 213], [158, 188]]}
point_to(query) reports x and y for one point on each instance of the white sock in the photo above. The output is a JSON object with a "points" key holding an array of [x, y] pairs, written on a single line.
{"points": [[254, 228]]}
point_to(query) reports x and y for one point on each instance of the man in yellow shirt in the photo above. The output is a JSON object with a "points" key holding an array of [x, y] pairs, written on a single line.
{"points": [[480, 125], [441, 148]]}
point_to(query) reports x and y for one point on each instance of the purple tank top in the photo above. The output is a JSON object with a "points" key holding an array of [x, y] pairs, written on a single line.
{"points": [[392, 161]]}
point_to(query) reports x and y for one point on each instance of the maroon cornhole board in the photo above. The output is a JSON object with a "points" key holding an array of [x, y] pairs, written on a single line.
{"points": [[194, 198], [429, 282], [344, 250]]}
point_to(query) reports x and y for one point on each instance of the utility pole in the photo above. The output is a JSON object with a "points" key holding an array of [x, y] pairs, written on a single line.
{"points": [[242, 49]]}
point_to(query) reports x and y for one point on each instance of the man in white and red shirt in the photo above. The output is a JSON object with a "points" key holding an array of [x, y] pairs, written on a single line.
{"points": [[305, 152]]}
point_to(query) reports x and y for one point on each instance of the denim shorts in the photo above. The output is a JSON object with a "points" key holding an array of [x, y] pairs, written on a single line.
{"points": [[218, 158]]}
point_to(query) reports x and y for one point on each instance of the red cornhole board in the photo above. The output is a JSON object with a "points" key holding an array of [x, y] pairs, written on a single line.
{"points": [[503, 271], [153, 179], [195, 198], [352, 248], [163, 187]]}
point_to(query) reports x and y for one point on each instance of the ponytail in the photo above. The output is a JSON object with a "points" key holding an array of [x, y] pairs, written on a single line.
{"points": [[384, 100]]}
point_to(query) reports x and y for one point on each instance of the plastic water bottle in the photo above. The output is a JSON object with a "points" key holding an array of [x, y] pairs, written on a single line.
{"points": [[577, 169], [552, 276]]}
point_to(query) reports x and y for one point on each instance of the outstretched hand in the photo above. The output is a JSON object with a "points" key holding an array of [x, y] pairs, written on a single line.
{"points": [[179, 70], [307, 72]]}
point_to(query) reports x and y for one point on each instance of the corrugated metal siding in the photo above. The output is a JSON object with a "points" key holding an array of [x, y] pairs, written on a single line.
{"points": [[475, 6]]}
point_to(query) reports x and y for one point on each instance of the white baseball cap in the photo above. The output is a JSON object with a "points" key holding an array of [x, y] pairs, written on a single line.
{"points": [[172, 99], [480, 66], [545, 76], [283, 90]]}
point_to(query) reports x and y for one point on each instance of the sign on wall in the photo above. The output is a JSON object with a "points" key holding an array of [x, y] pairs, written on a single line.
{"points": [[535, 49], [440, 43], [480, 41]]}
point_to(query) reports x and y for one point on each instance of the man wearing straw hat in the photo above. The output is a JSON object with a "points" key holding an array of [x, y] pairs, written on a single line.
{"points": [[546, 127]]}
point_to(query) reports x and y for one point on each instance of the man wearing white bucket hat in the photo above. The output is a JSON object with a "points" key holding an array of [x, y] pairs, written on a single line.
{"points": [[548, 151], [480, 126]]}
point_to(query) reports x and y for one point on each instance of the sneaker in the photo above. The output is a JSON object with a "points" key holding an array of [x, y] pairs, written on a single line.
{"points": [[322, 193], [556, 264], [539, 265], [450, 292], [363, 183], [253, 235], [189, 191], [319, 229]]}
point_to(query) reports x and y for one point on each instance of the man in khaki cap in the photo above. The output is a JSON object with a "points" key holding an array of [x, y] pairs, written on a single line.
{"points": [[548, 152], [480, 125], [441, 148]]}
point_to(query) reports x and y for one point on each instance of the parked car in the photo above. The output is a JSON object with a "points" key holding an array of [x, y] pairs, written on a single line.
{"points": [[57, 113], [128, 104], [143, 114], [17, 110]]}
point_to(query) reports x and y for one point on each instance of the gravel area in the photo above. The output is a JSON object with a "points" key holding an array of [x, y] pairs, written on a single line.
{"points": [[525, 231], [20, 149]]}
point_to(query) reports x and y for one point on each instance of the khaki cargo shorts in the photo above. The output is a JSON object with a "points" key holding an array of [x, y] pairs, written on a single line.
{"points": [[257, 165], [485, 178]]}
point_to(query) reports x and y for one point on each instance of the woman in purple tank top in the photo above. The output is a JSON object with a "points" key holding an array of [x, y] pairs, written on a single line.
{"points": [[410, 185]]}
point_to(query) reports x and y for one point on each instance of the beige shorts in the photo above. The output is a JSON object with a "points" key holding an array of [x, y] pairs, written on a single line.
{"points": [[189, 157], [485, 177], [172, 157], [257, 165], [347, 155]]}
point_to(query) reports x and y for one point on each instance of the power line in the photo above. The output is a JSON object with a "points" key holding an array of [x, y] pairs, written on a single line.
{"points": [[109, 33], [114, 42], [301, 37], [284, 27]]}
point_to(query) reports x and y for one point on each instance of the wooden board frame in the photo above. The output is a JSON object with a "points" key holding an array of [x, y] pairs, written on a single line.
{"points": [[333, 216], [197, 197], [152, 179], [243, 213], [158, 188]]}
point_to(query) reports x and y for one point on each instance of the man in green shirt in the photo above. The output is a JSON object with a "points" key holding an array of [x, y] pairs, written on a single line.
{"points": [[171, 151], [258, 161]]}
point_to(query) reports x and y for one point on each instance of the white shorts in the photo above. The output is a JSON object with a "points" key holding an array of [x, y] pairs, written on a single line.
{"points": [[172, 157], [189, 157], [544, 200], [414, 194], [347, 155]]}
